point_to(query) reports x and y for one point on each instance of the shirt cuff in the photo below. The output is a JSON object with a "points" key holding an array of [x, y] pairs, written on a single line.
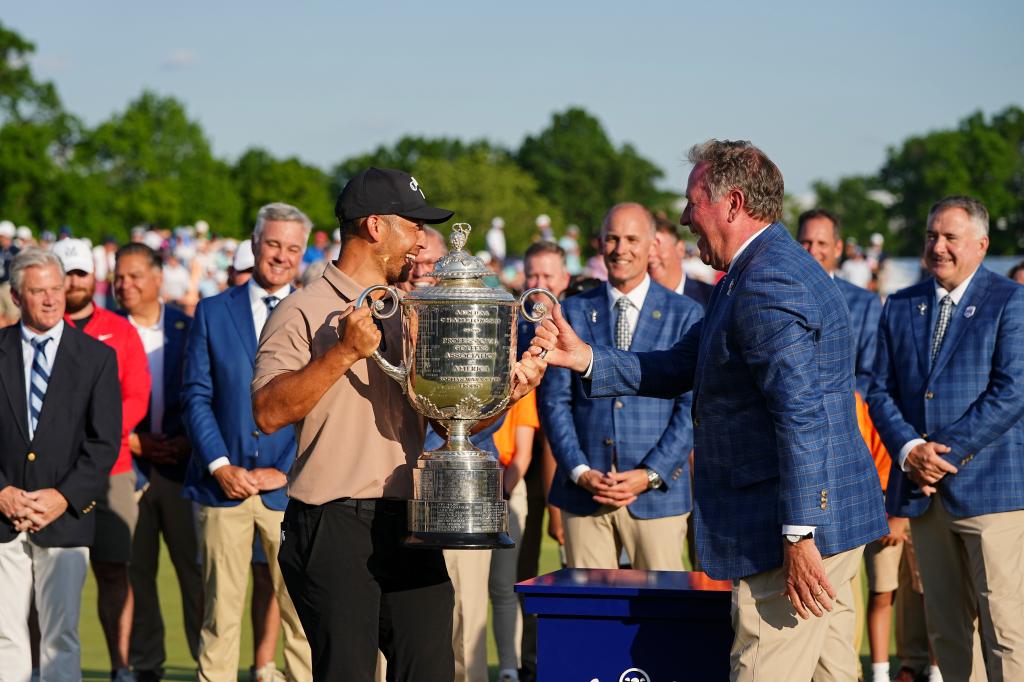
{"points": [[905, 450], [590, 367], [218, 463], [578, 471], [797, 530]]}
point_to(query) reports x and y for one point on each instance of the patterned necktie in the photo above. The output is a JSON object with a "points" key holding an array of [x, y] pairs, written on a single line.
{"points": [[40, 379], [945, 312], [271, 303], [623, 335]]}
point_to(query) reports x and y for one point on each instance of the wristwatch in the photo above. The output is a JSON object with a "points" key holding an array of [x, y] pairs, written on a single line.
{"points": [[653, 479], [793, 539]]}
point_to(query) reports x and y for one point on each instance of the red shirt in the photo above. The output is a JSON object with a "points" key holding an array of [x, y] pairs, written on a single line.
{"points": [[132, 373]]}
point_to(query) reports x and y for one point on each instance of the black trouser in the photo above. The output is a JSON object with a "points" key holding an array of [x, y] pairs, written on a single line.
{"points": [[356, 588]]}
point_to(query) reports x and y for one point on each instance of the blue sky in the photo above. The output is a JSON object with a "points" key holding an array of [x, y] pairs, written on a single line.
{"points": [[823, 90]]}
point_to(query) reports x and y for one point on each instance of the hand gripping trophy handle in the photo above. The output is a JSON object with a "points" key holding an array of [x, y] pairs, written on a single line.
{"points": [[381, 311]]}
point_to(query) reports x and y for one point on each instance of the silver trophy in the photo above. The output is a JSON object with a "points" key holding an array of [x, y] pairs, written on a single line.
{"points": [[459, 343]]}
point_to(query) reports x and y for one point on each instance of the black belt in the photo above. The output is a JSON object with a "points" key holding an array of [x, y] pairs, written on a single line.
{"points": [[375, 504]]}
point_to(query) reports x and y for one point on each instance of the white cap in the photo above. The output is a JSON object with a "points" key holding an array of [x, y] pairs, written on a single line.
{"points": [[543, 220], [877, 238], [498, 222], [485, 256], [25, 233], [6, 229], [336, 235], [74, 254], [202, 227], [244, 258]]}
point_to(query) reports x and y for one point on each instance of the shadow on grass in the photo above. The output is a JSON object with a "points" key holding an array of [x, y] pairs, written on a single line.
{"points": [[171, 673]]}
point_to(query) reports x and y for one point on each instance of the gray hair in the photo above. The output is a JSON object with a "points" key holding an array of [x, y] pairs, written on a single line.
{"points": [[32, 257], [280, 211], [976, 211], [738, 164]]}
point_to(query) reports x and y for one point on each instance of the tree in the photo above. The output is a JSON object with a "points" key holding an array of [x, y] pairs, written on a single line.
{"points": [[158, 167], [979, 158], [578, 169], [855, 201], [478, 187], [261, 179]]}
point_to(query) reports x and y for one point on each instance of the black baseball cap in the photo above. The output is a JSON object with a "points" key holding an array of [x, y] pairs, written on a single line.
{"points": [[384, 191]]}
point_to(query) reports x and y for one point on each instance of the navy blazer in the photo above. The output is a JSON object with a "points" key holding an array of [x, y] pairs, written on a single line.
{"points": [[971, 398], [697, 290], [176, 326], [219, 360], [774, 418], [76, 440], [865, 311], [654, 432]]}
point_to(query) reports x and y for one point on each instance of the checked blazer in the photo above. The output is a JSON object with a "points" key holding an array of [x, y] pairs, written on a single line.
{"points": [[865, 311], [654, 432], [774, 421], [971, 398]]}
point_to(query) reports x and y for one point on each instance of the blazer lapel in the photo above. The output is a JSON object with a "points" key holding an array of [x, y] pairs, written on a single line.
{"points": [[974, 298], [241, 315], [921, 311], [650, 321], [599, 316], [12, 376]]}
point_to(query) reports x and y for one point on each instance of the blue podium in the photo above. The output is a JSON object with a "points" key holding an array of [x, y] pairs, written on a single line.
{"points": [[629, 626]]}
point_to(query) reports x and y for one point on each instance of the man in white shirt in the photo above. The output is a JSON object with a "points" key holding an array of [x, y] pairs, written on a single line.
{"points": [[237, 473], [161, 450]]}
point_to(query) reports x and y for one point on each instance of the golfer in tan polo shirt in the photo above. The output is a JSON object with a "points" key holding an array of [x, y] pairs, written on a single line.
{"points": [[355, 586]]}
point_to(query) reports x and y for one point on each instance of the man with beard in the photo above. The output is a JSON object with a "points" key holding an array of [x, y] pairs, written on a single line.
{"points": [[117, 511], [356, 587]]}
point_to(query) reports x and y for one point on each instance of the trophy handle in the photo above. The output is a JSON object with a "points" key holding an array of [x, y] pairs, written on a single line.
{"points": [[539, 310], [381, 312]]}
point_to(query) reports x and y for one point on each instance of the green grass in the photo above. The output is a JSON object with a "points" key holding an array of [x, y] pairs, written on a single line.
{"points": [[180, 666]]}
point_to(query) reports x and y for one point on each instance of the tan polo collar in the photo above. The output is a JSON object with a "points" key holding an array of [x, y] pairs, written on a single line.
{"points": [[345, 285]]}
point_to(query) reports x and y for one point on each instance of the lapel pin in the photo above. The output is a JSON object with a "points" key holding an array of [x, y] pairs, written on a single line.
{"points": [[921, 308], [179, 325], [593, 316], [656, 314], [970, 311]]}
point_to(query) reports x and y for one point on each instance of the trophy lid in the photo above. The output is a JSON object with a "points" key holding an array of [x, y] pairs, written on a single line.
{"points": [[461, 274]]}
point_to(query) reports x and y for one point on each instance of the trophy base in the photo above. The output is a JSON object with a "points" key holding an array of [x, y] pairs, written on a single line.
{"points": [[460, 540]]}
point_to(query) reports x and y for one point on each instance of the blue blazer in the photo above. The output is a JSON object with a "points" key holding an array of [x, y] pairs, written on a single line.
{"points": [[774, 419], [176, 326], [698, 291], [219, 360], [654, 432], [971, 398], [865, 311]]}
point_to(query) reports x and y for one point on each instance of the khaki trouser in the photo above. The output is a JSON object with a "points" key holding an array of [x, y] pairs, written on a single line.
{"points": [[469, 570], [226, 537], [771, 642], [508, 621], [972, 570], [597, 540]]}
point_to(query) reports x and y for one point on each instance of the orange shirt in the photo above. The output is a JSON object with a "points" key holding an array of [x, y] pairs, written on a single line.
{"points": [[523, 413], [878, 452]]}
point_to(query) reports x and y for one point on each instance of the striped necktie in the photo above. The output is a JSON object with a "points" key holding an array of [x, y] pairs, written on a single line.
{"points": [[271, 303], [40, 379]]}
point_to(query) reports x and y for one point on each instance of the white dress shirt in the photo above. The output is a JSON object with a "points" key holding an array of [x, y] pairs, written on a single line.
{"points": [[153, 343], [940, 293], [28, 353], [636, 298]]}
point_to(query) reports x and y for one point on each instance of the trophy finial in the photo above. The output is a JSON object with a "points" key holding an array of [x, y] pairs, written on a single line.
{"points": [[459, 236]]}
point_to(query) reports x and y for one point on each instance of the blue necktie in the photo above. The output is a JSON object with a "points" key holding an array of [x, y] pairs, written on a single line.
{"points": [[39, 380], [271, 303]]}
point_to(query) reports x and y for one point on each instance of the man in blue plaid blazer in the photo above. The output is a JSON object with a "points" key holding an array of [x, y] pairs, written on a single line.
{"points": [[948, 401], [623, 476], [786, 494]]}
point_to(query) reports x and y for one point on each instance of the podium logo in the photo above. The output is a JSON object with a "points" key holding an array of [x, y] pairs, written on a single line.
{"points": [[634, 675]]}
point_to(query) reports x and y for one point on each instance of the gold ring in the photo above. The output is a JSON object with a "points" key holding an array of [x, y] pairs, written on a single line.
{"points": [[822, 589], [542, 354]]}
